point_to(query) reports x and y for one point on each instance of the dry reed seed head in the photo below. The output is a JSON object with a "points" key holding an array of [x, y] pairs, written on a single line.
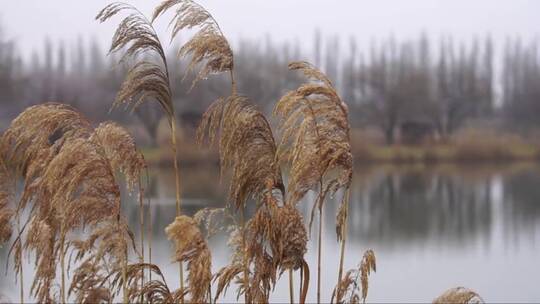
{"points": [[71, 181], [134, 32], [192, 248], [87, 284], [145, 80], [347, 289], [40, 130], [368, 263], [121, 151], [210, 122], [345, 286], [459, 295], [207, 47], [315, 133], [185, 234], [6, 213], [212, 219], [82, 185], [233, 271], [293, 236], [247, 146], [31, 142], [41, 239], [341, 216], [225, 276]]}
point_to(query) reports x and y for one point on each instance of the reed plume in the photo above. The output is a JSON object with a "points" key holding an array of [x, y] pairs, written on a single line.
{"points": [[154, 290], [347, 289], [69, 177], [459, 295], [145, 80], [315, 134], [31, 143], [248, 149], [6, 212], [84, 192], [191, 248], [33, 139], [315, 139], [87, 284], [208, 46], [246, 145], [121, 151]]}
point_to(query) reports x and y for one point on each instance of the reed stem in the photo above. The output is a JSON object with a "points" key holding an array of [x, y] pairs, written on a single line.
{"points": [[304, 286], [244, 249], [291, 285], [62, 264], [20, 258], [141, 222], [124, 278], [177, 179], [149, 238], [343, 235], [319, 255]]}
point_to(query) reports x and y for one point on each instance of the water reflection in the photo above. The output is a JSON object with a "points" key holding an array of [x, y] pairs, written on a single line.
{"points": [[424, 222]]}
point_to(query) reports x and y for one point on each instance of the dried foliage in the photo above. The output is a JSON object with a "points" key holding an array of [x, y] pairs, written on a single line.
{"points": [[6, 194], [232, 272], [275, 236], [212, 219], [191, 247], [208, 46], [145, 79], [459, 295], [315, 133], [41, 239], [247, 147], [347, 289], [69, 179], [315, 140], [87, 284], [121, 151], [32, 144], [35, 136], [292, 238]]}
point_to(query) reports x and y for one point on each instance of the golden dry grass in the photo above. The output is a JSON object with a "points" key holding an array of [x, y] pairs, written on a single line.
{"points": [[70, 174], [459, 295], [191, 248]]}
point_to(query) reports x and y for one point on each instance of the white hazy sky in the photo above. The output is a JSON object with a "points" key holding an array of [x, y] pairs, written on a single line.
{"points": [[30, 21]]}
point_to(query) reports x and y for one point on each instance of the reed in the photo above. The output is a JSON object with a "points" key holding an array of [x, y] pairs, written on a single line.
{"points": [[68, 171], [145, 80], [191, 248], [6, 212], [70, 174], [459, 295], [315, 139], [346, 291]]}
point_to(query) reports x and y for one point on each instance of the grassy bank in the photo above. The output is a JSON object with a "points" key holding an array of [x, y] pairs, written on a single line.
{"points": [[469, 146]]}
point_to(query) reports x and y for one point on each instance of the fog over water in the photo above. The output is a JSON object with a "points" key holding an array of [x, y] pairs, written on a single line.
{"points": [[30, 21]]}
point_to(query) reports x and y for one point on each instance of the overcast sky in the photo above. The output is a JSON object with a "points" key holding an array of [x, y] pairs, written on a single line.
{"points": [[30, 21]]}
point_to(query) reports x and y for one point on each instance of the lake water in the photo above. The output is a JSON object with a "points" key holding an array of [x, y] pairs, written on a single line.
{"points": [[431, 227]]}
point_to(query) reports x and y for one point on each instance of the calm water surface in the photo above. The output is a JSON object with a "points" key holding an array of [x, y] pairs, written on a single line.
{"points": [[431, 227]]}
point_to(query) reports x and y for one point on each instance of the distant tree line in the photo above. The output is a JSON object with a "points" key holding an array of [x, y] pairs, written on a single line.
{"points": [[439, 86]]}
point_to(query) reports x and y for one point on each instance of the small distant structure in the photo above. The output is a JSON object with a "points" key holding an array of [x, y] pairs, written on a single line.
{"points": [[414, 132]]}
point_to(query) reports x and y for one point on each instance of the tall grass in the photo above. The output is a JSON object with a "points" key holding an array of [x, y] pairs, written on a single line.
{"points": [[317, 143], [71, 172]]}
